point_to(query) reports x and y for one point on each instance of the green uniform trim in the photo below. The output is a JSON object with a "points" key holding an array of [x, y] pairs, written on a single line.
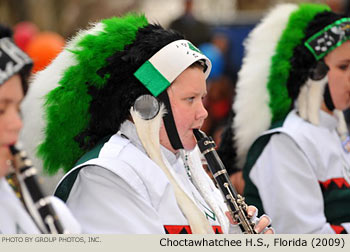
{"points": [[251, 192], [336, 204], [64, 188]]}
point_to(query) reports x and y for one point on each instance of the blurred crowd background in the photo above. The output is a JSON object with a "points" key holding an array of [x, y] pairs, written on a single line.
{"points": [[217, 27]]}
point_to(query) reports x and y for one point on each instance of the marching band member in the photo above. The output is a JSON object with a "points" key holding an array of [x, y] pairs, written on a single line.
{"points": [[121, 182], [289, 129], [15, 67]]}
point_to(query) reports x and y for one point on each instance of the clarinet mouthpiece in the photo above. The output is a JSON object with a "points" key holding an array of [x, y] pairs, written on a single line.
{"points": [[198, 134]]}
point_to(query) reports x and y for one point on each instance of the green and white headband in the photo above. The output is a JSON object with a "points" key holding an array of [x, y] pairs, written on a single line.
{"points": [[157, 73], [329, 38]]}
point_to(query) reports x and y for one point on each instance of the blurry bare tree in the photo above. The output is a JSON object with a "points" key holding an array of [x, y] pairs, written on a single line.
{"points": [[63, 16], [252, 4], [12, 11], [244, 5], [66, 17]]}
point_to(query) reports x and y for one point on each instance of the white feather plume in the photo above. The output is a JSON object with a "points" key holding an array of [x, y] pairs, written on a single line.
{"points": [[251, 106], [41, 84], [310, 98]]}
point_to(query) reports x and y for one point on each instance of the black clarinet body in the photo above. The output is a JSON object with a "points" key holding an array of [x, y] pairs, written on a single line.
{"points": [[38, 205], [235, 202]]}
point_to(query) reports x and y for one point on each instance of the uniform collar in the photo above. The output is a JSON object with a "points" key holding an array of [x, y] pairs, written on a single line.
{"points": [[128, 130], [328, 121]]}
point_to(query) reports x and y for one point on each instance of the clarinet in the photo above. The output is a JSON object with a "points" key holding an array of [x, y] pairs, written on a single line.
{"points": [[235, 202], [39, 206]]}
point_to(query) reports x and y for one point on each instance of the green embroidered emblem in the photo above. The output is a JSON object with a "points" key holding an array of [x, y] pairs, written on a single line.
{"points": [[212, 214], [193, 48], [207, 211]]}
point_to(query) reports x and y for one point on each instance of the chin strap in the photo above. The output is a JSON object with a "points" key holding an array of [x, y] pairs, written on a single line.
{"points": [[311, 95], [328, 98], [169, 122]]}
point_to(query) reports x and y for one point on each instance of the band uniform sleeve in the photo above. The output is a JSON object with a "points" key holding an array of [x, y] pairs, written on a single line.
{"points": [[65, 216]]}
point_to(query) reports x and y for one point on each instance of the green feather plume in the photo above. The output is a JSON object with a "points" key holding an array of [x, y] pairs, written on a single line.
{"points": [[67, 106], [292, 36]]}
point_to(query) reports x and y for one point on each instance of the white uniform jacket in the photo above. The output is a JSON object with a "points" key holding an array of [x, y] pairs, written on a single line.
{"points": [[302, 177], [124, 191]]}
